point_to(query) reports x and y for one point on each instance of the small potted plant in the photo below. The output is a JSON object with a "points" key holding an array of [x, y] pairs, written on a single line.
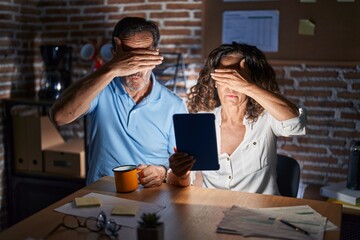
{"points": [[150, 228]]}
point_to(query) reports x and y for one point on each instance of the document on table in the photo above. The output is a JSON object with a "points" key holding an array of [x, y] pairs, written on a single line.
{"points": [[265, 222], [107, 203]]}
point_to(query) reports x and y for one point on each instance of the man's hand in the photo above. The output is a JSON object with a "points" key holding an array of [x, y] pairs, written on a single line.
{"points": [[126, 63], [150, 175]]}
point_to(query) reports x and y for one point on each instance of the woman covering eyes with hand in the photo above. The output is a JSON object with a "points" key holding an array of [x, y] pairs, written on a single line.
{"points": [[238, 85]]}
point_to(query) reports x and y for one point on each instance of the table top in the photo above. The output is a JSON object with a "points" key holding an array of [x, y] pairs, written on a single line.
{"points": [[191, 212]]}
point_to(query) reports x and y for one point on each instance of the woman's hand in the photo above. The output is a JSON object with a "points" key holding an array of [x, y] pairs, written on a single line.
{"points": [[235, 79], [180, 163], [239, 80]]}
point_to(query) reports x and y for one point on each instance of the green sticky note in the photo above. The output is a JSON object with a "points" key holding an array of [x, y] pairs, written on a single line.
{"points": [[306, 27], [87, 202], [124, 210]]}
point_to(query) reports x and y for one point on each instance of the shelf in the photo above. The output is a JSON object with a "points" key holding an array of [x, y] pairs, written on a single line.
{"points": [[29, 191], [171, 73]]}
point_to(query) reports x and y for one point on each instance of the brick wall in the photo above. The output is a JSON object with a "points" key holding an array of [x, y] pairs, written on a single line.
{"points": [[330, 92]]}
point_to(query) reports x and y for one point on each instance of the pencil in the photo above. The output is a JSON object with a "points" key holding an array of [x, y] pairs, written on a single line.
{"points": [[294, 227]]}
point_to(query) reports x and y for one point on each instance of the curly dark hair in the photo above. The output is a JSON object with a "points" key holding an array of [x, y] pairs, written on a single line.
{"points": [[203, 96]]}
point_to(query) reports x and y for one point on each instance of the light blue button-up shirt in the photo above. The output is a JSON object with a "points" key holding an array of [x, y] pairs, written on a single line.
{"points": [[123, 132]]}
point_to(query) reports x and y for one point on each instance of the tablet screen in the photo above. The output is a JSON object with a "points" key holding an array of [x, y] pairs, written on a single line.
{"points": [[195, 134]]}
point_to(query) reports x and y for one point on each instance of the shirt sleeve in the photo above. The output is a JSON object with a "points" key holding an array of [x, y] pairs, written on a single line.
{"points": [[93, 104], [172, 143], [192, 177], [290, 127]]}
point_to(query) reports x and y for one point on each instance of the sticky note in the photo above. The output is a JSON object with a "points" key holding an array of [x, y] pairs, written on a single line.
{"points": [[124, 210], [87, 202], [306, 27]]}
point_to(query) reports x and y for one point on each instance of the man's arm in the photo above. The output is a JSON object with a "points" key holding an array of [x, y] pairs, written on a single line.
{"points": [[76, 99]]}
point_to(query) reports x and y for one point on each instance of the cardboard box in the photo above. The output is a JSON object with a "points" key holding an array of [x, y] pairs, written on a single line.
{"points": [[66, 159], [20, 143], [31, 135]]}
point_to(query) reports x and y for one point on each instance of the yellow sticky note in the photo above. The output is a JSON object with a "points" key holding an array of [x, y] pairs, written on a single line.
{"points": [[87, 202], [306, 27], [124, 210]]}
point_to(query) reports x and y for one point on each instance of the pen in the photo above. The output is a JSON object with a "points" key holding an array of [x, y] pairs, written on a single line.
{"points": [[294, 227]]}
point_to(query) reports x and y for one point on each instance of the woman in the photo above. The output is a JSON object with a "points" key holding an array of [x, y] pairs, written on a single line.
{"points": [[238, 85]]}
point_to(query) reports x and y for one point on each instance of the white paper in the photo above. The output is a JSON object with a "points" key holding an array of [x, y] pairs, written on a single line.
{"points": [[107, 204], [258, 28], [264, 222], [340, 192]]}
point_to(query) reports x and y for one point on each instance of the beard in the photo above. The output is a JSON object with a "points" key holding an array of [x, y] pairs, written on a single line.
{"points": [[137, 81]]}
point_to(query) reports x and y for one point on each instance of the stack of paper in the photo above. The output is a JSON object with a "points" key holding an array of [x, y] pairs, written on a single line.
{"points": [[340, 192], [344, 204], [265, 222]]}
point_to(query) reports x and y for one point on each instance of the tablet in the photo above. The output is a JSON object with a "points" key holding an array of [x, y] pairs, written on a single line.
{"points": [[195, 134]]}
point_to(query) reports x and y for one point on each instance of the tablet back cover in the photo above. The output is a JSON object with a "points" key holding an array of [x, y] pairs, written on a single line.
{"points": [[195, 134]]}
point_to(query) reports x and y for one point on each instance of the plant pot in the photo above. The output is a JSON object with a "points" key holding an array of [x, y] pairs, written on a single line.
{"points": [[156, 233]]}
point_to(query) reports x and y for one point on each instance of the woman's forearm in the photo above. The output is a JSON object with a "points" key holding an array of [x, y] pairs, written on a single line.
{"points": [[278, 106], [183, 181]]}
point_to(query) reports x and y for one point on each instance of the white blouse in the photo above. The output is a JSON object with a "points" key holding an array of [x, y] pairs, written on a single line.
{"points": [[252, 166]]}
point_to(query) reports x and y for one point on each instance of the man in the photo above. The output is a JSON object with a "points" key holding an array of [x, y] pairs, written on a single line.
{"points": [[129, 113]]}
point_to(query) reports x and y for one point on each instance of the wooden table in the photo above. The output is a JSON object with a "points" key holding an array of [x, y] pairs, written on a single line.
{"points": [[190, 213]]}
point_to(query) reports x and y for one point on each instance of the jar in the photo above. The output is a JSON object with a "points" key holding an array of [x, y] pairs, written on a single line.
{"points": [[353, 180]]}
